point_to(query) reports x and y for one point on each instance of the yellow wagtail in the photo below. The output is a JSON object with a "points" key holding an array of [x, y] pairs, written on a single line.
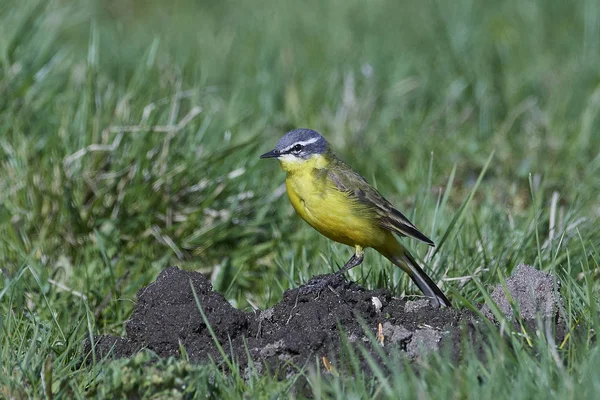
{"points": [[343, 206]]}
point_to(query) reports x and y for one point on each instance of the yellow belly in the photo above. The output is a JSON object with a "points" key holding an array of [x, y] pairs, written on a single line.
{"points": [[333, 213]]}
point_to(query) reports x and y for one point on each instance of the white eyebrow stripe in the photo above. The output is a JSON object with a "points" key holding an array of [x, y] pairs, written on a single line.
{"points": [[302, 143]]}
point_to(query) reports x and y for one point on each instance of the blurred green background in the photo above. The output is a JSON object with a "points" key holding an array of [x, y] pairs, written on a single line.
{"points": [[130, 132]]}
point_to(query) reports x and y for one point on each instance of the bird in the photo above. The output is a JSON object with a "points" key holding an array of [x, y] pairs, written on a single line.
{"points": [[341, 205]]}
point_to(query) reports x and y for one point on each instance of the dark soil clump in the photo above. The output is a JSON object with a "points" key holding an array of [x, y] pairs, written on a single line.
{"points": [[300, 328]]}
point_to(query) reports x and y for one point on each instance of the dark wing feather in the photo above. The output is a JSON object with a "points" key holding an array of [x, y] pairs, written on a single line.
{"points": [[346, 180]]}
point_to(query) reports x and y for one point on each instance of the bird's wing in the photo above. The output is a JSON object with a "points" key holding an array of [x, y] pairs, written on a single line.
{"points": [[344, 179]]}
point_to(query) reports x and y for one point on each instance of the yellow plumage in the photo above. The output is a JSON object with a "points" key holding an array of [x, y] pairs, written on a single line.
{"points": [[330, 211]]}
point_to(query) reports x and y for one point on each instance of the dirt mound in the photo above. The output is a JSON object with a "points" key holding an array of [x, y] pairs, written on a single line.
{"points": [[300, 328], [536, 293], [531, 296]]}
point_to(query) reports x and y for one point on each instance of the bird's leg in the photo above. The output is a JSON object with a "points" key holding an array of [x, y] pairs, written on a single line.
{"points": [[356, 259]]}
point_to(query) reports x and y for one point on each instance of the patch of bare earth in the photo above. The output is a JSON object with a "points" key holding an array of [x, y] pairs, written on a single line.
{"points": [[302, 328]]}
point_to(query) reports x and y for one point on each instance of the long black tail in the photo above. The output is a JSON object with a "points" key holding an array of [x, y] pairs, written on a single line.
{"points": [[421, 279]]}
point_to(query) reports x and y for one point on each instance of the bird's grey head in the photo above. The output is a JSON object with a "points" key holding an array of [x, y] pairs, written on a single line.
{"points": [[298, 144]]}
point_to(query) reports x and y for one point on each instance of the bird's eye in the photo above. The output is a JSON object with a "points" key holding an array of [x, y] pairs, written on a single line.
{"points": [[297, 148]]}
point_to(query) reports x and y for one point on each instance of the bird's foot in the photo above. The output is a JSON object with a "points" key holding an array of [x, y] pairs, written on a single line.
{"points": [[318, 283]]}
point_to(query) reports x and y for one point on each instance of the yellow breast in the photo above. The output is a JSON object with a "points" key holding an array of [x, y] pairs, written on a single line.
{"points": [[331, 212]]}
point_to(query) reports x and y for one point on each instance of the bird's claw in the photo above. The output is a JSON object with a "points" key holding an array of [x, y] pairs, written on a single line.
{"points": [[316, 287], [317, 284]]}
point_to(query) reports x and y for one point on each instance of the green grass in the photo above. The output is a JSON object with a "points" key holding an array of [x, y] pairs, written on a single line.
{"points": [[129, 141]]}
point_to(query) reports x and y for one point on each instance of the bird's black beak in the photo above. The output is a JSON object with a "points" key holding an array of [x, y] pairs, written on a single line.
{"points": [[271, 154]]}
